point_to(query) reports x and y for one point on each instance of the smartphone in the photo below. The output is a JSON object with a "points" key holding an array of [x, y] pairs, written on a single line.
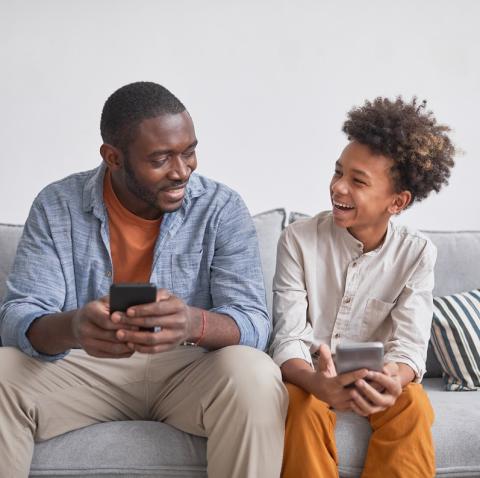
{"points": [[356, 355], [123, 296]]}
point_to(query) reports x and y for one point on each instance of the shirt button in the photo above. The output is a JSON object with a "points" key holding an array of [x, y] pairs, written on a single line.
{"points": [[337, 336], [354, 264], [347, 300], [108, 273]]}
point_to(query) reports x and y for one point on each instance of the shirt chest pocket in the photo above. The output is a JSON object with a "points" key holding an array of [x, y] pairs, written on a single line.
{"points": [[186, 274], [376, 315]]}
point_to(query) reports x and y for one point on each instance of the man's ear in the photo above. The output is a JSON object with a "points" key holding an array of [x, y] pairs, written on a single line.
{"points": [[112, 156], [400, 202]]}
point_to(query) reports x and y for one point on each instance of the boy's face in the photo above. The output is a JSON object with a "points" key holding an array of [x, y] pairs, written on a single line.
{"points": [[362, 189]]}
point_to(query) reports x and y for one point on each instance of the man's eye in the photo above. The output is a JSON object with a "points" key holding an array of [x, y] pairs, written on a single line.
{"points": [[337, 172], [358, 181], [159, 162], [188, 154]]}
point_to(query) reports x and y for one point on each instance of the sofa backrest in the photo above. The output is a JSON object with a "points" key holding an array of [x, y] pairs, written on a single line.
{"points": [[9, 237], [456, 270]]}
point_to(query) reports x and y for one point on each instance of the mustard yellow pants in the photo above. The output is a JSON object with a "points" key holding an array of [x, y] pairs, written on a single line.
{"points": [[401, 444]]}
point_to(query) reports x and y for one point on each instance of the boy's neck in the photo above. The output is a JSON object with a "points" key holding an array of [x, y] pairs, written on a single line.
{"points": [[371, 236]]}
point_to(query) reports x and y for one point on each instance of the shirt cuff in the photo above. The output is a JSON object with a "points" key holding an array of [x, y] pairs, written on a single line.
{"points": [[15, 335], [289, 350], [254, 328], [418, 369]]}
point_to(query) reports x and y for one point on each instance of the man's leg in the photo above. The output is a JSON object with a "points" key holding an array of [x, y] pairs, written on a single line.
{"points": [[40, 400], [401, 445], [310, 449], [236, 398]]}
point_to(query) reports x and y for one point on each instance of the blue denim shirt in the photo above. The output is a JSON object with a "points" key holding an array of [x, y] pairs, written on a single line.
{"points": [[206, 254]]}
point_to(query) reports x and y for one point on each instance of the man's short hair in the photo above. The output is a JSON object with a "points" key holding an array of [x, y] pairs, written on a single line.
{"points": [[409, 134], [127, 107]]}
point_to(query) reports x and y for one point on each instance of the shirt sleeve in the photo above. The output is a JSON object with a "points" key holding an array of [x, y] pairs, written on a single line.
{"points": [[236, 278], [292, 332], [412, 316], [35, 286]]}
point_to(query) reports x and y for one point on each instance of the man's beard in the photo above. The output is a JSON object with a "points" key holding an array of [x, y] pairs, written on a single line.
{"points": [[136, 188]]}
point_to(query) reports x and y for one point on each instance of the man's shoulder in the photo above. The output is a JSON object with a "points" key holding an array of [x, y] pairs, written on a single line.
{"points": [[211, 191], [70, 188]]}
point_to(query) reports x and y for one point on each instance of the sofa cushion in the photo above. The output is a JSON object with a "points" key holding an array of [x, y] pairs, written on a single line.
{"points": [[456, 339], [269, 226], [9, 237], [130, 449], [146, 449]]}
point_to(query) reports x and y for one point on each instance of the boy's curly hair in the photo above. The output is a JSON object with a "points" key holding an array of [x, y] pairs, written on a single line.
{"points": [[420, 148]]}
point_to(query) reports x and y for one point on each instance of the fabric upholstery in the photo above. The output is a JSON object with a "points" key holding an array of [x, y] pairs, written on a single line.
{"points": [[456, 339]]}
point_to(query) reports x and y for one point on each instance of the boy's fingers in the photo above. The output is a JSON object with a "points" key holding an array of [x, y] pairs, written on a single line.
{"points": [[350, 377]]}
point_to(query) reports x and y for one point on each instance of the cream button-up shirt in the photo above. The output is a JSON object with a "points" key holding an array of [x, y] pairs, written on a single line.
{"points": [[326, 290]]}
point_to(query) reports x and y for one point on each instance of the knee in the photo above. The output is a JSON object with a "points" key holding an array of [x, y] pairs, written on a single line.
{"points": [[306, 409], [252, 380], [415, 403]]}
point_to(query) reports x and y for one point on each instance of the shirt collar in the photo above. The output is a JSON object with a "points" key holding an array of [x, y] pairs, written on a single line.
{"points": [[356, 246]]}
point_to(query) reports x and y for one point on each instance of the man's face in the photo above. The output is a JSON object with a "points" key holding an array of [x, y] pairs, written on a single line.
{"points": [[157, 165], [362, 189]]}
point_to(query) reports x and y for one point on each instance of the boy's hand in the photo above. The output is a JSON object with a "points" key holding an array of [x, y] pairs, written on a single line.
{"points": [[330, 387], [367, 399]]}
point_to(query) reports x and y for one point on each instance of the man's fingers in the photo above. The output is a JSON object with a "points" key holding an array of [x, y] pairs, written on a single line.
{"points": [[164, 336], [101, 348], [350, 377], [175, 321], [163, 294], [163, 307]]}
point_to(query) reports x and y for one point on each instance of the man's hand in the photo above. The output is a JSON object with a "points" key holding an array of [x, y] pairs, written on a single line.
{"points": [[95, 332], [331, 388], [381, 394], [170, 313]]}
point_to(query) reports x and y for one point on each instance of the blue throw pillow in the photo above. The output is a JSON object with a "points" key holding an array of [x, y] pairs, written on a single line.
{"points": [[456, 339]]}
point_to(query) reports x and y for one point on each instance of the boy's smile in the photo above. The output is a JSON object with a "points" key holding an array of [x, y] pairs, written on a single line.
{"points": [[363, 194]]}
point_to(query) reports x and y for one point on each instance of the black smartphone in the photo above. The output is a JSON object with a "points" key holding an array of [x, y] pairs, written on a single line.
{"points": [[123, 296]]}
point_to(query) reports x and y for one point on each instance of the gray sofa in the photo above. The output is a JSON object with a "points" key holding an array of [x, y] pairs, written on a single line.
{"points": [[148, 449]]}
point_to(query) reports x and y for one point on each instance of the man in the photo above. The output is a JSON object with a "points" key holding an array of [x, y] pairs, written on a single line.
{"points": [[142, 216], [350, 274]]}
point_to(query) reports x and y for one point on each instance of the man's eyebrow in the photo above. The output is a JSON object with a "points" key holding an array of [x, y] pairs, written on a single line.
{"points": [[159, 152]]}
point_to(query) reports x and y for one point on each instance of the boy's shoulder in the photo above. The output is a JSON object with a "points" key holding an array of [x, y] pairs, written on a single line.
{"points": [[407, 238]]}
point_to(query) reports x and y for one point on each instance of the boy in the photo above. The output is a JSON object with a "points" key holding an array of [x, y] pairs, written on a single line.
{"points": [[350, 274]]}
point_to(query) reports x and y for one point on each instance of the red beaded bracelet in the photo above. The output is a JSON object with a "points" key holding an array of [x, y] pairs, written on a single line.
{"points": [[204, 328]]}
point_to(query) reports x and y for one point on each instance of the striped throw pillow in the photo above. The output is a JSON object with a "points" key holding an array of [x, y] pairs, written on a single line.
{"points": [[456, 339]]}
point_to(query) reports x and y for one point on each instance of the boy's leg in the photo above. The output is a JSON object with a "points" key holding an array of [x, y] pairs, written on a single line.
{"points": [[401, 445], [235, 397], [40, 400], [310, 449]]}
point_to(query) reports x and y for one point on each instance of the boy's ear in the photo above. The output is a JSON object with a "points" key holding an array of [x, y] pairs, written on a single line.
{"points": [[400, 202]]}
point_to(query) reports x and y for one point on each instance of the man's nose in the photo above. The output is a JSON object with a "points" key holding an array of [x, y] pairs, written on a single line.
{"points": [[178, 169]]}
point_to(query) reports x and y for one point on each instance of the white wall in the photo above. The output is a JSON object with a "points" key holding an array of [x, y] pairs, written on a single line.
{"points": [[268, 83]]}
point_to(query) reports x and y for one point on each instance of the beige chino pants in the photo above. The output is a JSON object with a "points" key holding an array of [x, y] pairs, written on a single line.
{"points": [[234, 396]]}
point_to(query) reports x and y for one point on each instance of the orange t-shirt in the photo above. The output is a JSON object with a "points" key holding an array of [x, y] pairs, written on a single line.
{"points": [[132, 239]]}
